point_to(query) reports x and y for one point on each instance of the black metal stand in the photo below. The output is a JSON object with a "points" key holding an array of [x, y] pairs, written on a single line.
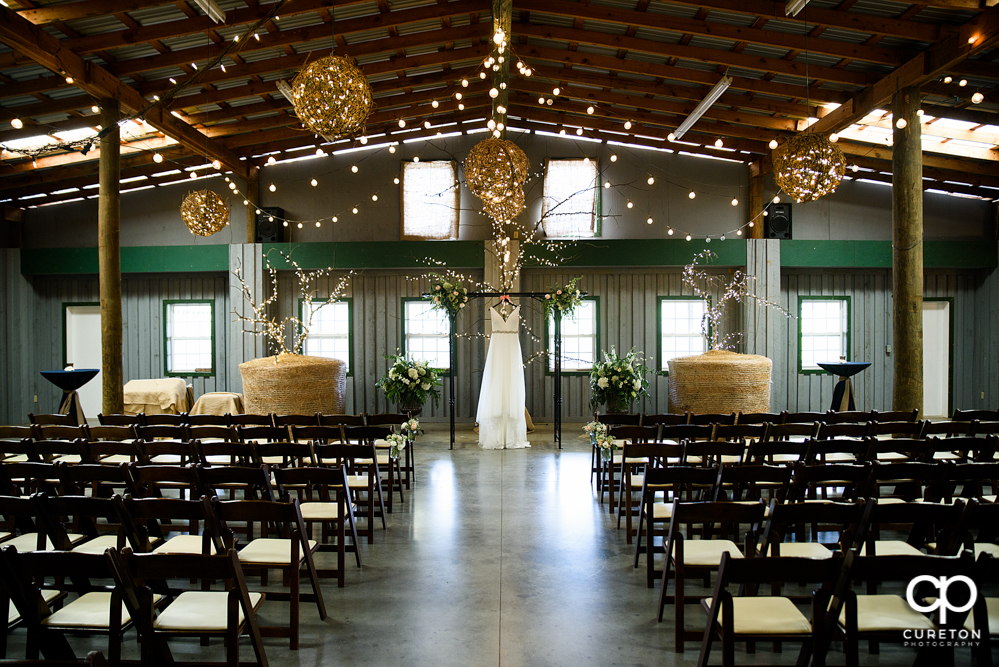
{"points": [[556, 398]]}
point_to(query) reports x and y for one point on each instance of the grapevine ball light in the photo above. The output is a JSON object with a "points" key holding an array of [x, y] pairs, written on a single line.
{"points": [[809, 166], [332, 97], [495, 169], [204, 212], [507, 209]]}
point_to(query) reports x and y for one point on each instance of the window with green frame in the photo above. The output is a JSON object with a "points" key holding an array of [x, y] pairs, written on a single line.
{"points": [[680, 334], [330, 329], [823, 331], [425, 333], [580, 338], [189, 337]]}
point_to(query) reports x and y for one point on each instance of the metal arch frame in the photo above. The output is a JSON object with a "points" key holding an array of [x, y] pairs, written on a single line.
{"points": [[452, 344]]}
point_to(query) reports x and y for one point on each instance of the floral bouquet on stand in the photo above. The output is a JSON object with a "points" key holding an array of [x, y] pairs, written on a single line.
{"points": [[409, 382], [564, 299], [616, 381], [397, 444], [595, 430], [448, 294], [607, 445]]}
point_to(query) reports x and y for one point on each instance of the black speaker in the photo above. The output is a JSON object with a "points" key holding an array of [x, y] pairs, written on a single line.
{"points": [[778, 222], [270, 226]]}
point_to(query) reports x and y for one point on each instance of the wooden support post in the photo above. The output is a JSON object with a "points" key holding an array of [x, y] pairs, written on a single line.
{"points": [[756, 206], [252, 196], [907, 251], [109, 259]]}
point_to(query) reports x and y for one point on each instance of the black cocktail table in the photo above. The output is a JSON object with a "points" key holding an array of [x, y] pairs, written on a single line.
{"points": [[69, 382], [843, 393]]}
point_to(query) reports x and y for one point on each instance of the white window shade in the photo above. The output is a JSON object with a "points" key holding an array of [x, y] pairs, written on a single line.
{"points": [[569, 209], [430, 200]]}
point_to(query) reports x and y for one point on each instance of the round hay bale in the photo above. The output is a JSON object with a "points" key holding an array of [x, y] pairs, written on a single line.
{"points": [[720, 381], [292, 384]]}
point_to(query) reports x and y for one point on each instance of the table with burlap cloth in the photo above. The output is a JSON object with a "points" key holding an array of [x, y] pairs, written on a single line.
{"points": [[219, 403], [154, 397]]}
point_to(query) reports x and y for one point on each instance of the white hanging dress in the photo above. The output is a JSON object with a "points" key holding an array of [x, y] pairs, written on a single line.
{"points": [[502, 424]]}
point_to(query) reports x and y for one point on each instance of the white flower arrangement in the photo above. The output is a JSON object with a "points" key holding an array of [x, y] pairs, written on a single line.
{"points": [[447, 295], [398, 444], [595, 430], [564, 299], [411, 428], [410, 382], [618, 380]]}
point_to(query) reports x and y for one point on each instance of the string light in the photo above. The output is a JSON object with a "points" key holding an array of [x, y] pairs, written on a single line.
{"points": [[353, 168], [157, 158], [627, 124], [901, 123], [719, 143], [16, 123], [651, 180], [735, 202], [613, 158], [272, 187], [773, 143], [977, 98], [691, 194], [314, 182]]}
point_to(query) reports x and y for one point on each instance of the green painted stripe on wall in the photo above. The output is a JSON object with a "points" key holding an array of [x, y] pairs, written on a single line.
{"points": [[134, 259], [633, 252], [378, 255], [878, 254]]}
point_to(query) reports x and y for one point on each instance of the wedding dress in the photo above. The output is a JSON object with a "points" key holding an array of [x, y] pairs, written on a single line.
{"points": [[502, 424]]}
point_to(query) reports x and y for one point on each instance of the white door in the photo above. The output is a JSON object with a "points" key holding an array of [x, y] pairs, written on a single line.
{"points": [[83, 350], [936, 358]]}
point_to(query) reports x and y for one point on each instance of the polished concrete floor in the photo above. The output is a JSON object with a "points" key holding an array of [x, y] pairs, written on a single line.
{"points": [[495, 558]]}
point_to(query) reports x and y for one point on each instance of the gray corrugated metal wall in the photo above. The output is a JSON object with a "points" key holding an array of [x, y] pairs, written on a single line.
{"points": [[628, 304], [35, 315], [976, 329], [376, 302]]}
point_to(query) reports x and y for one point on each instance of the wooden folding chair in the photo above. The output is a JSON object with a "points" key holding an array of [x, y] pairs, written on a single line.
{"points": [[119, 420], [97, 610], [763, 418], [640, 455], [751, 618], [226, 613], [288, 552], [394, 420], [157, 525], [92, 521], [614, 467], [366, 482], [687, 557], [333, 511], [207, 420], [237, 420], [711, 419], [375, 436], [52, 419]]}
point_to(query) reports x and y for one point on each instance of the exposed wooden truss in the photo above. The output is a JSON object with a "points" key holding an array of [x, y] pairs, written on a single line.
{"points": [[649, 65]]}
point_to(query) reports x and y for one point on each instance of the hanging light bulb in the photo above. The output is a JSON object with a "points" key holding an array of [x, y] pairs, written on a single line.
{"points": [[669, 231], [631, 205], [627, 124], [947, 79], [482, 75], [464, 83], [458, 96], [977, 98], [353, 168], [550, 101], [671, 137], [416, 158], [374, 197], [16, 123], [364, 141], [402, 123], [157, 158], [651, 180], [285, 223], [901, 123], [707, 239], [318, 223], [395, 180], [493, 93], [216, 164], [962, 83], [314, 182], [688, 237], [299, 225], [834, 137], [541, 100], [691, 194], [607, 185], [590, 110], [426, 124], [719, 143], [773, 143], [735, 202], [271, 160], [391, 149], [613, 158], [354, 210], [776, 199], [648, 221], [461, 106], [556, 90], [272, 188]]}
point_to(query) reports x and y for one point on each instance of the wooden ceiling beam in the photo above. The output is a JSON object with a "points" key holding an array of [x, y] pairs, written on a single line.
{"points": [[717, 30], [48, 52], [955, 188], [921, 69], [966, 115], [636, 103], [190, 26], [611, 64], [696, 53], [73, 11], [343, 28], [829, 18], [587, 80], [17, 166], [33, 130], [295, 62]]}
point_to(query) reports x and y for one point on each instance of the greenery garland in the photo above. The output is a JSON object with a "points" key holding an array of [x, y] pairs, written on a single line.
{"points": [[447, 295], [564, 299]]}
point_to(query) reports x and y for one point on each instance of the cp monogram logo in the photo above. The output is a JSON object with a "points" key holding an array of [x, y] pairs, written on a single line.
{"points": [[941, 603]]}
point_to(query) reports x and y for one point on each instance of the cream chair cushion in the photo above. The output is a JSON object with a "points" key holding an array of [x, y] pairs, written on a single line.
{"points": [[805, 550], [267, 550], [892, 548], [708, 552], [47, 595], [98, 545], [886, 613], [662, 510], [318, 511], [29, 541], [766, 616], [183, 544], [90, 610], [987, 548], [200, 611]]}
